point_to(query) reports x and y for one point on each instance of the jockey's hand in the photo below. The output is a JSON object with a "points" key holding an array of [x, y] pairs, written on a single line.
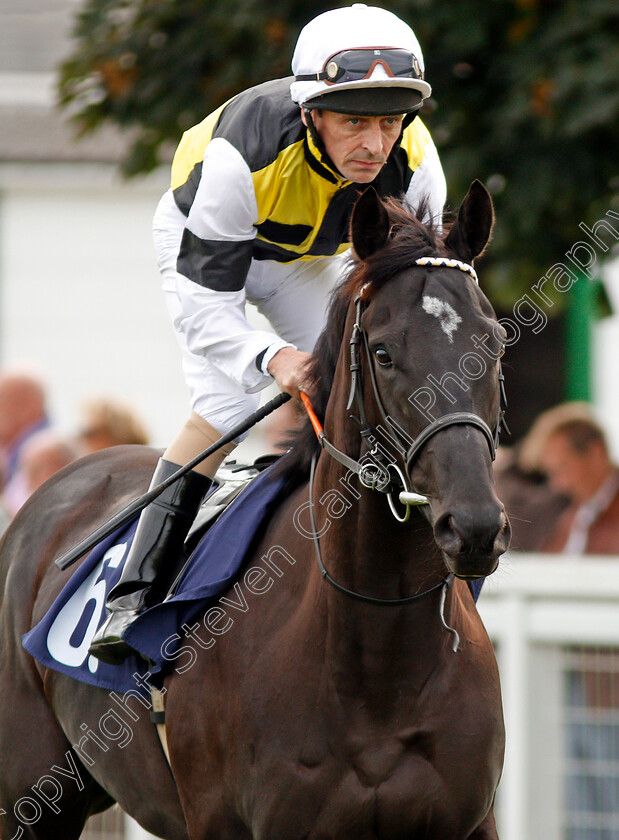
{"points": [[289, 369]]}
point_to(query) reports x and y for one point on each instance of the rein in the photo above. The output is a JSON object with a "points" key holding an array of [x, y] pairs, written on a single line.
{"points": [[379, 474], [443, 585]]}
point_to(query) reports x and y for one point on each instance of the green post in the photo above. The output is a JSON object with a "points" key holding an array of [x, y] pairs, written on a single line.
{"points": [[578, 340]]}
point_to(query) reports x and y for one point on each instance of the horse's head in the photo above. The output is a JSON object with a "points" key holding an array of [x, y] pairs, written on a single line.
{"points": [[429, 353]]}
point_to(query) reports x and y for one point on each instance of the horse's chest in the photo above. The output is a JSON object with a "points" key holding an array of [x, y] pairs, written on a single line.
{"points": [[332, 766], [381, 790], [343, 803]]}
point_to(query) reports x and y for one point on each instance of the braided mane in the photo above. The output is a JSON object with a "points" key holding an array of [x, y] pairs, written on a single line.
{"points": [[410, 239]]}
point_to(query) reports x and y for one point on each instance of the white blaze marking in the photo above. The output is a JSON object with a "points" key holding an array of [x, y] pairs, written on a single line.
{"points": [[446, 314]]}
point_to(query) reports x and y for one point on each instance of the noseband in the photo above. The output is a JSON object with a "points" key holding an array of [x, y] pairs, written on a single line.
{"points": [[381, 473]]}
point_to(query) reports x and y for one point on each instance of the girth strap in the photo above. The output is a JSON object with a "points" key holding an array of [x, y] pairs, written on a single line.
{"points": [[157, 716]]}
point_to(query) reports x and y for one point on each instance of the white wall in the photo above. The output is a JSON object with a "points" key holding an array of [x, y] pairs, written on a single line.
{"points": [[606, 361], [80, 296]]}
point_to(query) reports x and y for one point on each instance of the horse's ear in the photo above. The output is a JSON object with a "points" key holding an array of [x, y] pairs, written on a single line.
{"points": [[471, 231], [370, 224]]}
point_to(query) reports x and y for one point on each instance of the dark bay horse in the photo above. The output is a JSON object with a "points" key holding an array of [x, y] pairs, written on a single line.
{"points": [[301, 710]]}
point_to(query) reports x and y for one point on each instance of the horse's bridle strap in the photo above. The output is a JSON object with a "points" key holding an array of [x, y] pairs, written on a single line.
{"points": [[460, 418], [410, 452], [408, 449], [326, 444], [444, 584], [367, 477], [446, 262]]}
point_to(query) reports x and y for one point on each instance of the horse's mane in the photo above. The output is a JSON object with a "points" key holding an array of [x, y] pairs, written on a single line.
{"points": [[410, 239]]}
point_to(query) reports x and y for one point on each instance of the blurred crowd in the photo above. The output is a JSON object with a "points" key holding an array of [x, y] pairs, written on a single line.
{"points": [[33, 448], [561, 491]]}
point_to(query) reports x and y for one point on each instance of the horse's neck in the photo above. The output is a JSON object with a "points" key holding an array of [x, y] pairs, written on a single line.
{"points": [[368, 552]]}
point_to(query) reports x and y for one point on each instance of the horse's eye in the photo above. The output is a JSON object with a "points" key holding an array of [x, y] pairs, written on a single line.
{"points": [[382, 357]]}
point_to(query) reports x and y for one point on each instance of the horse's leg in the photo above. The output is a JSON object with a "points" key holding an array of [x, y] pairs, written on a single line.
{"points": [[45, 791], [487, 829]]}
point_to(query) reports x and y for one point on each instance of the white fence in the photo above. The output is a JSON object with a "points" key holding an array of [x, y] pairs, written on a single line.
{"points": [[555, 624]]}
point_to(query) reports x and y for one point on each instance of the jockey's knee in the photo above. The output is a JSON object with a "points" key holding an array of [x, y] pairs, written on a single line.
{"points": [[196, 435]]}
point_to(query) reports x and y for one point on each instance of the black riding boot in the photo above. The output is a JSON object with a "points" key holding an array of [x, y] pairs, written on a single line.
{"points": [[155, 558]]}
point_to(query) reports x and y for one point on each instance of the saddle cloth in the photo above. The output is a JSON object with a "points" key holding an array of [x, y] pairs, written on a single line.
{"points": [[62, 637]]}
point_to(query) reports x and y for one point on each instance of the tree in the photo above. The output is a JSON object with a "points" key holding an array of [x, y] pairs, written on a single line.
{"points": [[525, 97], [159, 66]]}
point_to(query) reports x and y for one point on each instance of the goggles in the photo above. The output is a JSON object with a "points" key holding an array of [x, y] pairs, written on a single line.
{"points": [[354, 65]]}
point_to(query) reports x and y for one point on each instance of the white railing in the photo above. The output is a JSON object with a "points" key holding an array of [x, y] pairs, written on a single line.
{"points": [[135, 832], [536, 608]]}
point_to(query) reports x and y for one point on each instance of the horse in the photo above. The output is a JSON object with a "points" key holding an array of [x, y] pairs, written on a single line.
{"points": [[353, 693]]}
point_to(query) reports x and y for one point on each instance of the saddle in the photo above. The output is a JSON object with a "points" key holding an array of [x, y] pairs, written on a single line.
{"points": [[230, 481]]}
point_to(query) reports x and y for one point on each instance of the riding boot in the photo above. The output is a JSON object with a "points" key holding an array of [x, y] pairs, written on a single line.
{"points": [[155, 558]]}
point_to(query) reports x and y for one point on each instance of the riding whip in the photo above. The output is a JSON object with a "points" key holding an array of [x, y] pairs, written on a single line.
{"points": [[127, 513]]}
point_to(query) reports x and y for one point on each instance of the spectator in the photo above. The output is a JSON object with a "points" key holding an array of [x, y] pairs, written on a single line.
{"points": [[43, 455], [531, 504], [572, 450], [22, 414], [108, 422]]}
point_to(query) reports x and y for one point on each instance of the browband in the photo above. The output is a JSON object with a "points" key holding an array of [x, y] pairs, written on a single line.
{"points": [[448, 263]]}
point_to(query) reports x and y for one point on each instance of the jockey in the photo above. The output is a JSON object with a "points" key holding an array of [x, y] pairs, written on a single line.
{"points": [[258, 211]]}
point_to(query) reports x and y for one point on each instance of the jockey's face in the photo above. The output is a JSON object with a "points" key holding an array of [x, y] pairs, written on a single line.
{"points": [[358, 146]]}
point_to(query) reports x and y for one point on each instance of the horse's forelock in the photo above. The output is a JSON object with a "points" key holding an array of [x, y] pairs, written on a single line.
{"points": [[410, 239]]}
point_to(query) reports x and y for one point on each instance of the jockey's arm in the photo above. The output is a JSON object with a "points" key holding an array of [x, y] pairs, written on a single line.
{"points": [[209, 267], [428, 181]]}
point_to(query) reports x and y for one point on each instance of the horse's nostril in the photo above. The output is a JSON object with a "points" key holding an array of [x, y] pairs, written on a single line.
{"points": [[487, 542], [460, 532], [447, 535]]}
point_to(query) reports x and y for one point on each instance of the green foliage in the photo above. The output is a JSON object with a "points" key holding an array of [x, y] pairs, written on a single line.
{"points": [[160, 66], [526, 97], [528, 101]]}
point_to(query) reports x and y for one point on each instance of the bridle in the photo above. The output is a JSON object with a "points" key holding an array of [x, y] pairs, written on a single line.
{"points": [[380, 473], [376, 470], [443, 585]]}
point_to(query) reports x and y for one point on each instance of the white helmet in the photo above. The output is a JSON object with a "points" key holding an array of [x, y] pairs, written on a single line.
{"points": [[358, 60]]}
